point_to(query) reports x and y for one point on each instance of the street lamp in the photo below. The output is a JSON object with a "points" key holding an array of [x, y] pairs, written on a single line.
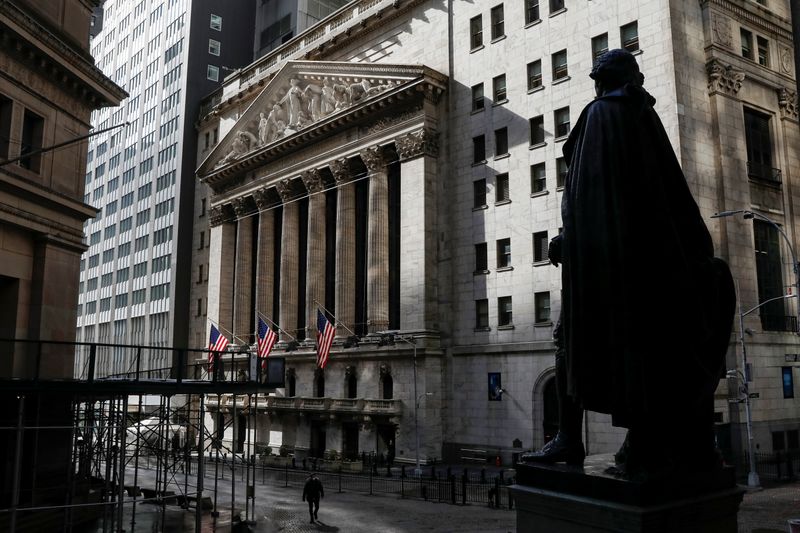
{"points": [[387, 339], [747, 214], [752, 476]]}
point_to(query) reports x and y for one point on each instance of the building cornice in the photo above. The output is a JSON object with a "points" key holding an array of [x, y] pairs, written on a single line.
{"points": [[33, 43], [754, 16]]}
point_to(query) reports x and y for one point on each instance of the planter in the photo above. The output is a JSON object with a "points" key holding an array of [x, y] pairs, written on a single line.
{"points": [[355, 466]]}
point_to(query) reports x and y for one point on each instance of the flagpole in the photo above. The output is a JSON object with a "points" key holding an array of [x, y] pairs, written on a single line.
{"points": [[336, 320], [280, 330], [229, 332]]}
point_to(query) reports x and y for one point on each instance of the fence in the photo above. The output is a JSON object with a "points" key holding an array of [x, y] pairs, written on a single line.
{"points": [[441, 486], [772, 467]]}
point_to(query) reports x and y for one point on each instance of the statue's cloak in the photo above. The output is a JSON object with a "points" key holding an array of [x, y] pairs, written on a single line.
{"points": [[647, 310]]}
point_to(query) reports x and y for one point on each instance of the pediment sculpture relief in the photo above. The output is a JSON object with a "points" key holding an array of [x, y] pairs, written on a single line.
{"points": [[300, 104]]}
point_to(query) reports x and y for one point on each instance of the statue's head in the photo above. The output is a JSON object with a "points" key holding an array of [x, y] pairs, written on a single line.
{"points": [[294, 82], [614, 69]]}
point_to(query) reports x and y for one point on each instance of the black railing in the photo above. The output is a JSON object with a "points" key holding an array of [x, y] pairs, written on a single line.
{"points": [[779, 323], [764, 172], [775, 467]]}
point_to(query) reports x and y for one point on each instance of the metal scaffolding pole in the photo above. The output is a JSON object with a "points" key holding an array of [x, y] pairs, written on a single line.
{"points": [[198, 507], [17, 464], [123, 444]]}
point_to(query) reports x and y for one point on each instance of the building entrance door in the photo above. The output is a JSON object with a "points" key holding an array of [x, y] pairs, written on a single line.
{"points": [[317, 445], [350, 444], [386, 434]]}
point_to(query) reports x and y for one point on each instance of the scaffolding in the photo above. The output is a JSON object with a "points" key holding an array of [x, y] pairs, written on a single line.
{"points": [[112, 429]]}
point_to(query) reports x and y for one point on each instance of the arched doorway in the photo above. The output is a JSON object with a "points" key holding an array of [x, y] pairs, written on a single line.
{"points": [[544, 409]]}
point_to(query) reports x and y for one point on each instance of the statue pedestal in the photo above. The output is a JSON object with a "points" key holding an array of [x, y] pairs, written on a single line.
{"points": [[573, 500]]}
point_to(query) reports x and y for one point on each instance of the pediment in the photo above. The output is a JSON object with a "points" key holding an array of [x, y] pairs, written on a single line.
{"points": [[302, 96]]}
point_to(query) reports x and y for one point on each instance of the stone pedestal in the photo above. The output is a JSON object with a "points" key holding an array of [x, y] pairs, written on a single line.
{"points": [[573, 500]]}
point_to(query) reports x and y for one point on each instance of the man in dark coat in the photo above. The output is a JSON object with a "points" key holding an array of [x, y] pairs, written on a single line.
{"points": [[312, 493], [647, 309]]}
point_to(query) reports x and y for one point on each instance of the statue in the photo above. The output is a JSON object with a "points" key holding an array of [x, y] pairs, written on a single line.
{"points": [[646, 308], [357, 91], [295, 99], [334, 95], [263, 128], [313, 94], [276, 123], [243, 142]]}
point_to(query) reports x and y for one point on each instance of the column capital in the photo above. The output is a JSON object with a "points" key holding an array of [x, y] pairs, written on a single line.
{"points": [[285, 189], [262, 199], [243, 206], [374, 158], [219, 214], [312, 179], [340, 168], [723, 78], [787, 101], [424, 141]]}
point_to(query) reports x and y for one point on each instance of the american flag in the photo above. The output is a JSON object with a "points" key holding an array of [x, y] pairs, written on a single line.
{"points": [[325, 333], [265, 339], [216, 343]]}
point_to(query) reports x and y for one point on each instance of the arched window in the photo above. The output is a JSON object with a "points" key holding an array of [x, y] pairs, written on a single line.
{"points": [[350, 382], [291, 384], [387, 389], [319, 384]]}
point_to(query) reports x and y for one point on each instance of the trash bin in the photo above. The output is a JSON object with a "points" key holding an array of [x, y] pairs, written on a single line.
{"points": [[794, 525]]}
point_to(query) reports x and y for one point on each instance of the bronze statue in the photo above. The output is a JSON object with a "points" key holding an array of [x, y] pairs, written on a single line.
{"points": [[646, 308]]}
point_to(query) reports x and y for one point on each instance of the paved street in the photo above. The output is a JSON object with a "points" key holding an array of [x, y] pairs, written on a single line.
{"points": [[280, 509]]}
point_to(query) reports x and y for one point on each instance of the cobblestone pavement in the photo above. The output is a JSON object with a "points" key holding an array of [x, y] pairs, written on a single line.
{"points": [[769, 510], [281, 510]]}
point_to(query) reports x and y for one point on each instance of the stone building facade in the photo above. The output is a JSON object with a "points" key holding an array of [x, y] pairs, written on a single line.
{"points": [[442, 123]]}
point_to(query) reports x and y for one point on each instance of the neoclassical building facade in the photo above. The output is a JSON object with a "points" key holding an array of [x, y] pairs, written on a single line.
{"points": [[399, 165]]}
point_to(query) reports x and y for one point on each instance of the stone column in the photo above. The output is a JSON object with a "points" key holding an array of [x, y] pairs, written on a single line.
{"points": [[377, 240], [345, 246], [290, 260], [315, 257], [417, 151], [243, 282], [265, 269], [221, 268]]}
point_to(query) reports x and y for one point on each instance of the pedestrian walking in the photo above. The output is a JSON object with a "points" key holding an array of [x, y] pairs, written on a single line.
{"points": [[312, 493]]}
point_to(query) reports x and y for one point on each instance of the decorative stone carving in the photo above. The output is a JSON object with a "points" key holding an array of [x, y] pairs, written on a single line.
{"points": [[786, 60], [290, 373], [373, 158], [285, 189], [385, 370], [303, 102], [219, 214], [386, 122], [340, 168], [721, 30], [262, 199], [349, 370], [312, 179], [242, 206], [417, 143], [787, 101], [723, 78]]}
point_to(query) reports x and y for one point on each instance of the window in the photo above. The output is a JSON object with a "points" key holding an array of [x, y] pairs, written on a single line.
{"points": [[560, 65], [202, 207], [793, 439], [95, 238], [747, 43], [561, 172], [108, 256], [32, 134], [162, 263], [216, 22], [110, 231], [142, 217], [202, 240], [214, 47], [537, 130], [5, 128], [759, 147], [140, 270], [561, 119], [538, 178], [105, 304], [113, 183], [556, 5], [481, 314], [769, 276], [505, 316], [481, 258], [144, 191], [479, 193], [91, 284], [541, 302], [788, 382], [212, 73], [504, 253], [763, 51], [111, 208], [531, 11], [140, 243], [121, 301], [199, 273], [479, 149], [501, 188], [501, 142], [534, 75], [498, 22], [199, 307], [124, 249], [122, 274], [476, 32], [137, 297], [477, 97], [540, 246], [499, 84], [599, 46], [126, 224], [629, 36]]}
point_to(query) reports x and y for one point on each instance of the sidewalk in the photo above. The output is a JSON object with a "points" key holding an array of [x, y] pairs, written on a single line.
{"points": [[769, 509]]}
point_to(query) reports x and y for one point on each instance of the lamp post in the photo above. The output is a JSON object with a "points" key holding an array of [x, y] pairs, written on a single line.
{"points": [[752, 476]]}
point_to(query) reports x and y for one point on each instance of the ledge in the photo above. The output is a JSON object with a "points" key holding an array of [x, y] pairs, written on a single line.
{"points": [[560, 80], [537, 145], [505, 328], [543, 262], [502, 202], [502, 156], [480, 208], [497, 39], [558, 12], [481, 272], [500, 102], [476, 49], [540, 193], [543, 324], [533, 23], [479, 163], [536, 89], [505, 269]]}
